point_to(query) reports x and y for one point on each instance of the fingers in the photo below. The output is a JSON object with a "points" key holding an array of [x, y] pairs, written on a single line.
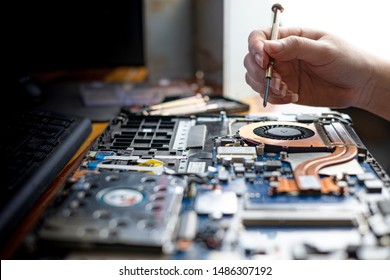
{"points": [[255, 77], [284, 32], [279, 92], [294, 47], [256, 47], [252, 66], [277, 87], [295, 44], [260, 49], [289, 98]]}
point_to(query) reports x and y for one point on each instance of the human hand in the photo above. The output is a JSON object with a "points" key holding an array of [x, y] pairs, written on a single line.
{"points": [[311, 68]]}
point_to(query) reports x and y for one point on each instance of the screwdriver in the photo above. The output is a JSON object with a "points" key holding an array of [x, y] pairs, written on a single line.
{"points": [[276, 9]]}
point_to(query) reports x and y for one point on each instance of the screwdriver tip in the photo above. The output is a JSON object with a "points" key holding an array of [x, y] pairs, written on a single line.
{"points": [[266, 90]]}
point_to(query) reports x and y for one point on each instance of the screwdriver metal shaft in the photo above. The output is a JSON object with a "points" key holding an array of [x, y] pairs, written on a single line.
{"points": [[277, 9]]}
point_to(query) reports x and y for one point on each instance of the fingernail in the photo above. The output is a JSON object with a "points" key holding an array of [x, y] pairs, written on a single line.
{"points": [[259, 59], [294, 98], [275, 83], [284, 90], [273, 46]]}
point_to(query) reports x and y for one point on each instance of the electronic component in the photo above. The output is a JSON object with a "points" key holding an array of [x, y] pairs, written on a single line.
{"points": [[216, 203], [188, 226], [298, 218], [129, 209], [237, 154], [192, 186]]}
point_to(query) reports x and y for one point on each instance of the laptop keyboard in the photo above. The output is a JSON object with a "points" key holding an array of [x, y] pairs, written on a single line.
{"points": [[36, 145]]}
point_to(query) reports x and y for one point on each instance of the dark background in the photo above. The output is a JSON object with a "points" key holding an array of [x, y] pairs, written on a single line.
{"points": [[72, 34]]}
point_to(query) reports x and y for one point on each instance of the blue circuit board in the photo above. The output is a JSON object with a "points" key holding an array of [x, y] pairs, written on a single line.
{"points": [[214, 187]]}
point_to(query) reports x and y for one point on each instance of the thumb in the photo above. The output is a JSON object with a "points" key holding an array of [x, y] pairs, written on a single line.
{"points": [[295, 47]]}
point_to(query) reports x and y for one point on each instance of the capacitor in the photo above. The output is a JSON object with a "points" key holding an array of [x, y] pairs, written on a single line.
{"points": [[283, 155], [227, 161], [260, 149], [223, 175], [249, 163]]}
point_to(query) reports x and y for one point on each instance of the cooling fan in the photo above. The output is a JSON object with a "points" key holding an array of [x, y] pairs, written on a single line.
{"points": [[288, 136], [283, 132], [330, 136]]}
